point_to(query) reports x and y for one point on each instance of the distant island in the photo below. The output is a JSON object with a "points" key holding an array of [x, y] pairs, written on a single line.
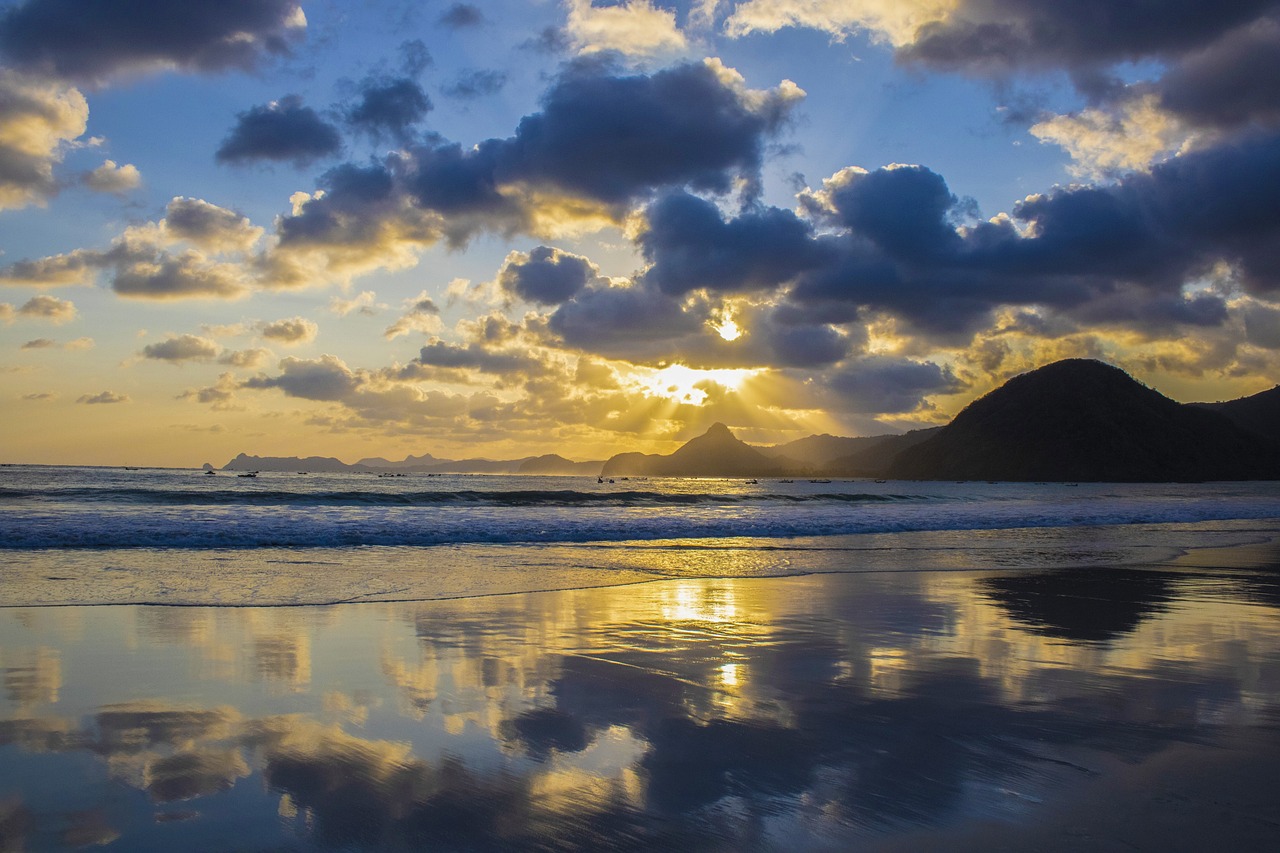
{"points": [[1076, 420]]}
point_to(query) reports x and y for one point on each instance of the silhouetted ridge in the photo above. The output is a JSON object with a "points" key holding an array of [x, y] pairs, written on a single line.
{"points": [[715, 453], [1083, 420], [1259, 414]]}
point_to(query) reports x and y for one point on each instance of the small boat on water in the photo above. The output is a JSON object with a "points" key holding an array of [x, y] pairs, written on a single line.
{"points": [[819, 481], [249, 474], [210, 473]]}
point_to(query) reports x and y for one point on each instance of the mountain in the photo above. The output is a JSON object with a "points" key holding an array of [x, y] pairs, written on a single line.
{"points": [[553, 463], [318, 464], [820, 450], [1259, 414], [715, 453], [410, 462], [1083, 420], [874, 458]]}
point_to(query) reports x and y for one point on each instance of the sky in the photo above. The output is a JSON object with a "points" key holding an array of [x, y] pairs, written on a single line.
{"points": [[498, 228]]}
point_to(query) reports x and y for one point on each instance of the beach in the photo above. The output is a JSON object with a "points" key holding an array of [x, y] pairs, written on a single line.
{"points": [[1089, 687]]}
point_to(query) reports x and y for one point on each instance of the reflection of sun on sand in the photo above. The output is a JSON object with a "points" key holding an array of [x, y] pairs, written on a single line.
{"points": [[911, 707]]}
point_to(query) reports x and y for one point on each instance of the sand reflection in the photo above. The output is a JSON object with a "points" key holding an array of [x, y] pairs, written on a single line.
{"points": [[789, 713]]}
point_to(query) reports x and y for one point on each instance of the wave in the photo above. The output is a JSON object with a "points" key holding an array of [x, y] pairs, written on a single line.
{"points": [[466, 497]]}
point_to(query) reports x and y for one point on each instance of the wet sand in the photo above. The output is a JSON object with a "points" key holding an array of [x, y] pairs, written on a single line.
{"points": [[1069, 707]]}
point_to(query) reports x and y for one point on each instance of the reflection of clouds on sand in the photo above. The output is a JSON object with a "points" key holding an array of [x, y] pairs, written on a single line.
{"points": [[32, 677], [822, 711]]}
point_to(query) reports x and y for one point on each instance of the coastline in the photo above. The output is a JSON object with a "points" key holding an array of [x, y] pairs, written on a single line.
{"points": [[914, 703], [272, 577]]}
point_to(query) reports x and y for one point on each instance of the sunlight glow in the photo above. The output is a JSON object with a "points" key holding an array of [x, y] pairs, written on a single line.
{"points": [[727, 328], [690, 384]]}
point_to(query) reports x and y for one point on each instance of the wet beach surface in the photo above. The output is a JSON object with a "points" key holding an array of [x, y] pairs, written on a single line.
{"points": [[1108, 708]]}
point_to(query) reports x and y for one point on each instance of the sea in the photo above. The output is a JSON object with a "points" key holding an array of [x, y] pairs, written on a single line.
{"points": [[317, 662]]}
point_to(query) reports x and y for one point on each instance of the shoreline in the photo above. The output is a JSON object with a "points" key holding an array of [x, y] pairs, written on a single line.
{"points": [[242, 578]]}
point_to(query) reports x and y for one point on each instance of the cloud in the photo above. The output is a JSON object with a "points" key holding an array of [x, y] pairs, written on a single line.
{"points": [[40, 396], [389, 107], [73, 345], [476, 84], [209, 226], [882, 385], [1105, 142], [690, 246], [220, 396], [600, 143], [94, 41], [475, 356], [421, 315], [182, 348], [145, 262], [460, 16], [632, 27], [1230, 82], [188, 275], [895, 21], [364, 302], [103, 398], [51, 308], [248, 358], [295, 330], [111, 177], [38, 121], [282, 130], [325, 378], [983, 36], [546, 276]]}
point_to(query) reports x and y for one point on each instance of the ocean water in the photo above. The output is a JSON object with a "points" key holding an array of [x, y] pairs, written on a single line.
{"points": [[499, 663], [102, 535]]}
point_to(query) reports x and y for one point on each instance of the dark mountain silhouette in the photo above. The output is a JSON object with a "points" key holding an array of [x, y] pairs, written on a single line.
{"points": [[1083, 420], [821, 450], [553, 463], [715, 453], [1259, 414], [874, 458]]}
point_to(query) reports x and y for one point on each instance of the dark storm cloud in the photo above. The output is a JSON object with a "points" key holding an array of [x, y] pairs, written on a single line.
{"points": [[1002, 35], [883, 385], [612, 138], [690, 246], [94, 40], [546, 276], [389, 107], [1138, 241], [283, 130], [612, 320], [476, 84], [1231, 81], [599, 138], [461, 15]]}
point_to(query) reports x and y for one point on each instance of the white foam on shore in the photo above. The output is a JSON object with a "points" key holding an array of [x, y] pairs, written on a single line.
{"points": [[314, 576]]}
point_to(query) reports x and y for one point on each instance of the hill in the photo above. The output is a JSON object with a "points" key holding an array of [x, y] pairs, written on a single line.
{"points": [[1083, 420], [874, 458], [715, 453], [553, 463], [1259, 414]]}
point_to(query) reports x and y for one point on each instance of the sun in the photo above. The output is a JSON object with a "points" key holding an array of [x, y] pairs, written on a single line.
{"points": [[727, 328], [682, 384]]}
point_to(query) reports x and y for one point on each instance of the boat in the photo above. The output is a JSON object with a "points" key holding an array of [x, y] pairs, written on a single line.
{"points": [[248, 474], [819, 481], [210, 473]]}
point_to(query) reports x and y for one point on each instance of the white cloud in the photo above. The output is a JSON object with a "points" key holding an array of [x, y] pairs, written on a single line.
{"points": [[113, 178], [1105, 142], [894, 21], [635, 27], [38, 121]]}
